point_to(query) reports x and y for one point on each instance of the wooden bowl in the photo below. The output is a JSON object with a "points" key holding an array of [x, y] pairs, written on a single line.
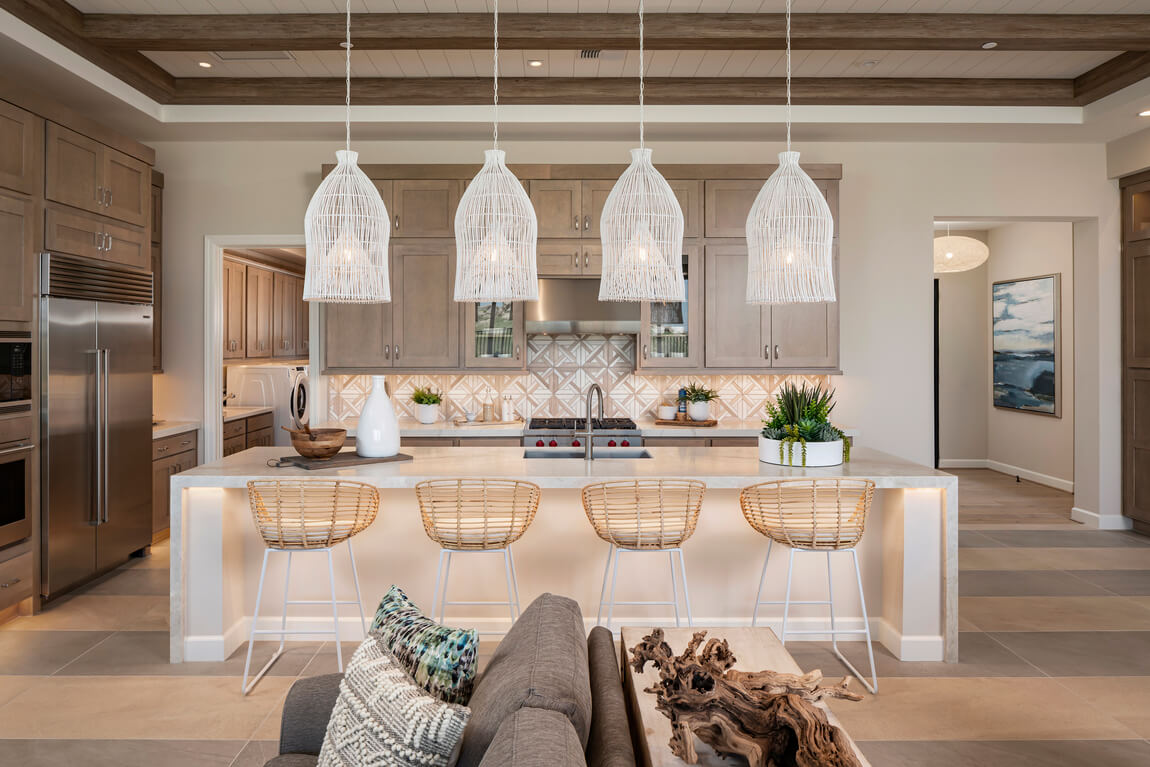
{"points": [[320, 444]]}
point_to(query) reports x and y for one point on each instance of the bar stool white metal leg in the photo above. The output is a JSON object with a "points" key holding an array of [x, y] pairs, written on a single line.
{"points": [[440, 602], [678, 575]]}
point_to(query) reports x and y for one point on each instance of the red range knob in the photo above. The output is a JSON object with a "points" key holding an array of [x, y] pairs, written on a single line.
{"points": [[611, 443], [575, 443], [553, 443], [538, 443], [626, 443]]}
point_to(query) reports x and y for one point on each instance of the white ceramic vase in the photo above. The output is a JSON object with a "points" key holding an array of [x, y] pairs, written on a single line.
{"points": [[699, 411], [818, 453], [426, 413], [377, 434]]}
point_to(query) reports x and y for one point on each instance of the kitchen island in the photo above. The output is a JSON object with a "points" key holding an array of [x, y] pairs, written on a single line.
{"points": [[909, 554]]}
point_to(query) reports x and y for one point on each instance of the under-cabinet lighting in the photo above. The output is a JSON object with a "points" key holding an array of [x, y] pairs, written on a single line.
{"points": [[534, 63], [206, 64], [989, 45]]}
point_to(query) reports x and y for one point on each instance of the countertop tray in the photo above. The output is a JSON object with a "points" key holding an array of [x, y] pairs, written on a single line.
{"points": [[337, 461], [692, 424]]}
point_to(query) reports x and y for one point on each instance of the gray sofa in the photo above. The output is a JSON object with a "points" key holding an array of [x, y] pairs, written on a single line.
{"points": [[549, 697]]}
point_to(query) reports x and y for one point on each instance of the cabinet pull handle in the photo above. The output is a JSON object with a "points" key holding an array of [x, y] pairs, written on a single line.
{"points": [[387, 351], [644, 351], [12, 582], [586, 223], [397, 351], [576, 223], [185, 442], [162, 449], [767, 351], [108, 192], [575, 260], [108, 238], [516, 351], [397, 222], [586, 260], [776, 351]]}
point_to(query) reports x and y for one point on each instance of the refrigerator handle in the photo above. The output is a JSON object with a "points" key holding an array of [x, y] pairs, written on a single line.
{"points": [[104, 436], [97, 518]]}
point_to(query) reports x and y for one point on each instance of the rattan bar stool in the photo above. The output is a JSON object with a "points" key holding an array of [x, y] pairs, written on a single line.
{"points": [[476, 515], [826, 515], [307, 515], [653, 515]]}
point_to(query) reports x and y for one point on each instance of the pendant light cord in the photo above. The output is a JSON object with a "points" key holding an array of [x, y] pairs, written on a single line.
{"points": [[641, 67], [347, 80], [495, 83], [788, 75]]}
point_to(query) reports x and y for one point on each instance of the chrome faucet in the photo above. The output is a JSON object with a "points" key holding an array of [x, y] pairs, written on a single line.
{"points": [[589, 453]]}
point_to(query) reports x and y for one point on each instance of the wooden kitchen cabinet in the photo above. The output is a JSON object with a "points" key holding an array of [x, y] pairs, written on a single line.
{"points": [[593, 196], [494, 336], [90, 236], [424, 208], [18, 223], [283, 315], [569, 258], [233, 445], [302, 321], [425, 332], [170, 455], [805, 336], [258, 310], [234, 298], [727, 203], [356, 336], [689, 193], [21, 150], [671, 333], [260, 438], [83, 173], [738, 334], [558, 207]]}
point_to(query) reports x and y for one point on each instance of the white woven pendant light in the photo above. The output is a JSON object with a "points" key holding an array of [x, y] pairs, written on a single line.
{"points": [[956, 253], [790, 231], [641, 227], [495, 226], [346, 226]]}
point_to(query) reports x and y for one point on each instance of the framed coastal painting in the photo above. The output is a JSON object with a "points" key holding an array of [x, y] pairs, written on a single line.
{"points": [[1026, 337]]}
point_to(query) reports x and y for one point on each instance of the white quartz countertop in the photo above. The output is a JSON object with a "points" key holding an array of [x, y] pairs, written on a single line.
{"points": [[236, 412], [719, 467], [163, 429]]}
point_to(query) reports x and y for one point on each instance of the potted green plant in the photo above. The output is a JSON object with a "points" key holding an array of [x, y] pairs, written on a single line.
{"points": [[797, 430], [427, 402], [699, 401]]}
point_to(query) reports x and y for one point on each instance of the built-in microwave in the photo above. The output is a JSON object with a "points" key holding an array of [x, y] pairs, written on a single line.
{"points": [[15, 370]]}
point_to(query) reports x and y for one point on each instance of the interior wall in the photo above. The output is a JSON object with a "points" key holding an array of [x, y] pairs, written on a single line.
{"points": [[963, 364], [889, 197], [1019, 442], [1129, 154]]}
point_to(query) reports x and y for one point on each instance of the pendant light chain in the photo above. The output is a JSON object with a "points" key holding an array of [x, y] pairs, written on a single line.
{"points": [[495, 83], [347, 80], [788, 75], [641, 68]]}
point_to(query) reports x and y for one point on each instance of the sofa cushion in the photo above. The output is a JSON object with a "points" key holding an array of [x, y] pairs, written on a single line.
{"points": [[541, 663], [383, 717], [535, 737], [306, 711], [442, 660], [610, 741]]}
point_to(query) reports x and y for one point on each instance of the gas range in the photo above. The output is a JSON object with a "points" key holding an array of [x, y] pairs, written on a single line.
{"points": [[571, 432]]}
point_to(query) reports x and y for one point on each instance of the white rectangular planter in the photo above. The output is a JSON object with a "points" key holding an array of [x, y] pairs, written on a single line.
{"points": [[818, 453]]}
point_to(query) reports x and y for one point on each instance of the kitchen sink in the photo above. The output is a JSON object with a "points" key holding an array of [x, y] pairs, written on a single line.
{"points": [[601, 453]]}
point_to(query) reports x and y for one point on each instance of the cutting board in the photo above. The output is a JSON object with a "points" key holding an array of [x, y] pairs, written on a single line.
{"points": [[692, 424], [337, 461]]}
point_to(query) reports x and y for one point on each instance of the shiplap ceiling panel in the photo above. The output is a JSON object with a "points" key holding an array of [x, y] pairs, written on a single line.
{"points": [[611, 6], [433, 63]]}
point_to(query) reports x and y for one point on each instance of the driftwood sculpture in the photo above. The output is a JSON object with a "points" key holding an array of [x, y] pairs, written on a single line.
{"points": [[765, 716]]}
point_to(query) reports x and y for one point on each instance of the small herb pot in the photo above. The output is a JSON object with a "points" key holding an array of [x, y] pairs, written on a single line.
{"points": [[791, 454], [427, 413], [699, 411]]}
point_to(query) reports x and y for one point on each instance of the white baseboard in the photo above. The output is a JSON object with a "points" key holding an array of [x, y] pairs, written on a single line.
{"points": [[1005, 468], [1100, 521]]}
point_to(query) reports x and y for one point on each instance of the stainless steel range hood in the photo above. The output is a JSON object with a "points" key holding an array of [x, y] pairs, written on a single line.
{"points": [[572, 305]]}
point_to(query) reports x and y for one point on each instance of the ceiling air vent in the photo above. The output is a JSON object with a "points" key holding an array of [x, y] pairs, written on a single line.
{"points": [[253, 55], [589, 53]]}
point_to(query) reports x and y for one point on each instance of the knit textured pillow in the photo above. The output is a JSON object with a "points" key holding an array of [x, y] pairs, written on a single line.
{"points": [[442, 660], [382, 717]]}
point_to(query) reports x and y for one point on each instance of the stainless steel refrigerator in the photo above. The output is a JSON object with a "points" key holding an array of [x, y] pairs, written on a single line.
{"points": [[96, 417]]}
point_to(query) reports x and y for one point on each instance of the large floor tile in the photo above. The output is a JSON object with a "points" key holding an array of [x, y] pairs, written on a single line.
{"points": [[12, 686], [120, 753], [1004, 559], [1125, 582], [976, 539], [1127, 699], [1012, 753], [1025, 583], [977, 708], [325, 661], [94, 612], [1082, 653], [45, 652], [1047, 539], [209, 708], [979, 655], [145, 653], [1055, 613], [150, 582], [1127, 558]]}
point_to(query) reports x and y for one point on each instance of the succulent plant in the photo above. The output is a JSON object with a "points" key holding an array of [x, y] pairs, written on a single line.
{"points": [[426, 396], [798, 415], [698, 393]]}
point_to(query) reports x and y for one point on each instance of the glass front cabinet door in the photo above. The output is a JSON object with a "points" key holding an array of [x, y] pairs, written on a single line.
{"points": [[671, 333], [494, 337]]}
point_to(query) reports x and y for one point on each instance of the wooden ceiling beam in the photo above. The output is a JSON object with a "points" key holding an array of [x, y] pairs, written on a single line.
{"points": [[613, 31], [669, 90], [1112, 76]]}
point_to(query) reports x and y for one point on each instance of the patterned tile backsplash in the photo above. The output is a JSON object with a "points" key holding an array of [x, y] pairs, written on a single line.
{"points": [[559, 370]]}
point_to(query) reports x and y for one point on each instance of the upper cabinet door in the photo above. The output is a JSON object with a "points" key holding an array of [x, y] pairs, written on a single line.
{"points": [[493, 336], [74, 170], [283, 316], [1137, 214], [727, 205], [302, 323], [737, 333], [594, 194], [157, 215], [21, 150], [259, 309], [17, 257], [234, 298], [424, 208], [560, 258], [806, 335], [671, 333], [690, 196], [592, 261], [426, 332], [558, 207], [356, 337], [128, 188]]}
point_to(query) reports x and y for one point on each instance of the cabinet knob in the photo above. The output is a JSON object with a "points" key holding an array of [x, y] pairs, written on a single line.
{"points": [[12, 582]]}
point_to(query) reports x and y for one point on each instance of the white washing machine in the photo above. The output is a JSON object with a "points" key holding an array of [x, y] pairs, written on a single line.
{"points": [[283, 387]]}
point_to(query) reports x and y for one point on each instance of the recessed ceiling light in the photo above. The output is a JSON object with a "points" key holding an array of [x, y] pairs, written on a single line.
{"points": [[206, 64], [988, 45], [534, 63], [1144, 113]]}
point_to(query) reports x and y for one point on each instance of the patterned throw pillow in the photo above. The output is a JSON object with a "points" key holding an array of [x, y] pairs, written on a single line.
{"points": [[442, 660], [382, 717]]}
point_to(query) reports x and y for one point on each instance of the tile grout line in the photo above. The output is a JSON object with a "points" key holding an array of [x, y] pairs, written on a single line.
{"points": [[81, 655]]}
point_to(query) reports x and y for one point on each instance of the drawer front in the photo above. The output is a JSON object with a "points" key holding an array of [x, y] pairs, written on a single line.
{"points": [[237, 428], [735, 442], [87, 236], [426, 442], [235, 445], [177, 443], [490, 442], [259, 438], [257, 422], [674, 442], [16, 429], [15, 580]]}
